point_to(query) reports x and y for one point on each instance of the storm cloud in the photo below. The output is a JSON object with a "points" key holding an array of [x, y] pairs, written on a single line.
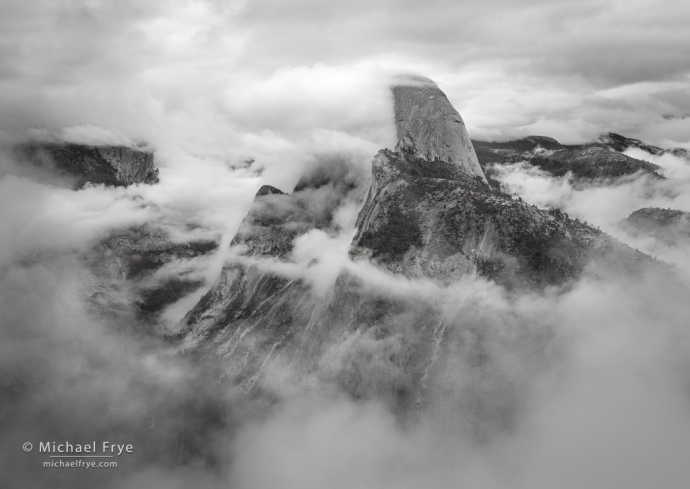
{"points": [[231, 95]]}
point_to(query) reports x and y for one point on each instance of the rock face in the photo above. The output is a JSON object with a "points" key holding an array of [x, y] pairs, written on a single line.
{"points": [[430, 127], [423, 220], [262, 305], [670, 226], [77, 164], [417, 223], [586, 164]]}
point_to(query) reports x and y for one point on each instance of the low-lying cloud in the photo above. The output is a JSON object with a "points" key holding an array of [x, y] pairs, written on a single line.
{"points": [[601, 373], [235, 95]]}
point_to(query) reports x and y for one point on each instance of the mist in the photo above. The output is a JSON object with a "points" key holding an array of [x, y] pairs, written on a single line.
{"points": [[573, 391], [585, 386], [581, 386]]}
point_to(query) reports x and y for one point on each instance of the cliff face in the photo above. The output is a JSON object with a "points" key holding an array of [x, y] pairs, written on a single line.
{"points": [[429, 216], [131, 166], [430, 127], [77, 164]]}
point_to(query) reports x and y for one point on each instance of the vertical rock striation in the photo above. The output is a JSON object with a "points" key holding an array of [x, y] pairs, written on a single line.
{"points": [[131, 165], [430, 127]]}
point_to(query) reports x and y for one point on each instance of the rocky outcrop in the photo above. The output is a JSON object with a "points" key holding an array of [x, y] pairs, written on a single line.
{"points": [[131, 166], [430, 128], [669, 226], [76, 164]]}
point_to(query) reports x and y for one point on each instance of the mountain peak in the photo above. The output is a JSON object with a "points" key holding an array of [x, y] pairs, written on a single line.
{"points": [[269, 190], [429, 126]]}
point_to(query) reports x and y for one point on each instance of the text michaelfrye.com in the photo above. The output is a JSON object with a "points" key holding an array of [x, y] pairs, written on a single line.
{"points": [[81, 464]]}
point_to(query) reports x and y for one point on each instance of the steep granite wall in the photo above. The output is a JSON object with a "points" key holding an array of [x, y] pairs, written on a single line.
{"points": [[430, 127]]}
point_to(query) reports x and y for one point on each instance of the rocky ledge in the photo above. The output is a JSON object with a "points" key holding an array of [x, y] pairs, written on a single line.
{"points": [[76, 164]]}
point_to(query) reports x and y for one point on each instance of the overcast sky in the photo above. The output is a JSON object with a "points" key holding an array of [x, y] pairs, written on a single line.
{"points": [[200, 69]]}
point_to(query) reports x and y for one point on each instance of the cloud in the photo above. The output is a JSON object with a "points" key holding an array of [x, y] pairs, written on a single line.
{"points": [[604, 403], [70, 375], [39, 219], [89, 135], [212, 77], [96, 136], [593, 378], [604, 205]]}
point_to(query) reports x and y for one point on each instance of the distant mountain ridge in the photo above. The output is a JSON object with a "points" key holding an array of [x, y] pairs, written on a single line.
{"points": [[600, 161], [621, 143]]}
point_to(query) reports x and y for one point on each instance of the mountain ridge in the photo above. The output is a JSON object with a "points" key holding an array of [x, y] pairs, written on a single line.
{"points": [[424, 221], [598, 162]]}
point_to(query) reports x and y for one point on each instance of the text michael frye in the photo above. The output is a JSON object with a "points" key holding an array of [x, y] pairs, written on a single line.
{"points": [[107, 448]]}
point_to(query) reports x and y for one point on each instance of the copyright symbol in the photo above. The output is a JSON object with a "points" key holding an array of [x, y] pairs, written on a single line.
{"points": [[27, 447]]}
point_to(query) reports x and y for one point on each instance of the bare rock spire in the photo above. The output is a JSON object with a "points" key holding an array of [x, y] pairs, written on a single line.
{"points": [[428, 124]]}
